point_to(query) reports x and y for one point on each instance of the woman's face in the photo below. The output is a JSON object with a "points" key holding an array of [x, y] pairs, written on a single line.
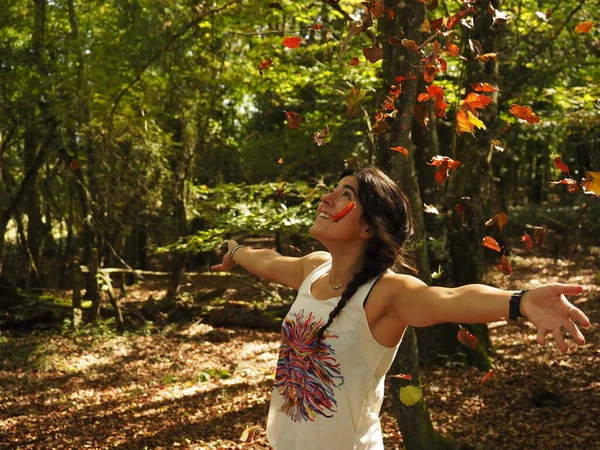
{"points": [[348, 228]]}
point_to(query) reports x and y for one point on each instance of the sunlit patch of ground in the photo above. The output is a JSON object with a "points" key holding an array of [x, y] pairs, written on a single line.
{"points": [[196, 387]]}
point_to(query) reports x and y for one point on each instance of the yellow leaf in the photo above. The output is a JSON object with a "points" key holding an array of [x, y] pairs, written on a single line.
{"points": [[410, 395], [475, 121], [591, 185], [425, 26]]}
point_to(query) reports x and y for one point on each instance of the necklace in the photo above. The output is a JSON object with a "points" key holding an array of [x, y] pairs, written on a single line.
{"points": [[335, 287]]}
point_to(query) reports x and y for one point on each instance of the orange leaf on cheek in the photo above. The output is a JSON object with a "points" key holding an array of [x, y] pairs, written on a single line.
{"points": [[344, 212]]}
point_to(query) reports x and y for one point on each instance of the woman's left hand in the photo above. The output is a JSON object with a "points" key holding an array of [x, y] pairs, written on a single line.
{"points": [[547, 308]]}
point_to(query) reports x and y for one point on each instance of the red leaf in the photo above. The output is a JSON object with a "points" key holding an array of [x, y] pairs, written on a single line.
{"points": [[483, 87], [435, 91], [561, 165], [354, 61], [584, 27], [466, 338], [460, 209], [345, 211], [487, 376], [294, 120], [316, 27], [525, 113], [74, 165], [264, 65], [423, 97], [292, 42], [429, 73], [421, 114], [504, 266], [490, 243], [479, 101], [403, 376], [572, 185], [526, 240], [439, 107], [402, 150], [432, 5], [373, 53]]}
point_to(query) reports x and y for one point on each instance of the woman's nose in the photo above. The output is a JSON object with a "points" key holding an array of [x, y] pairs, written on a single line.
{"points": [[327, 198]]}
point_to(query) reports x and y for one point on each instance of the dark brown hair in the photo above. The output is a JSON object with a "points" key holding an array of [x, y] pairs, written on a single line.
{"points": [[386, 211]]}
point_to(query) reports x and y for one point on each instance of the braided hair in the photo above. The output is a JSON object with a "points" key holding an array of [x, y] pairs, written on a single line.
{"points": [[386, 211]]}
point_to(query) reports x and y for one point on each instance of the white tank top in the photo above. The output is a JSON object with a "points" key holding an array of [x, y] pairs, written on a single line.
{"points": [[329, 398]]}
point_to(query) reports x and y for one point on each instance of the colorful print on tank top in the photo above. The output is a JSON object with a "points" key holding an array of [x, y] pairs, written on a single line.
{"points": [[307, 375]]}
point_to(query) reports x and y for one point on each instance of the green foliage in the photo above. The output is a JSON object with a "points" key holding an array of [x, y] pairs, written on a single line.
{"points": [[209, 374]]}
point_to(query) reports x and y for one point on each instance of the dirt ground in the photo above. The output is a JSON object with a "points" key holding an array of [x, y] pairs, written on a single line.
{"points": [[198, 387]]}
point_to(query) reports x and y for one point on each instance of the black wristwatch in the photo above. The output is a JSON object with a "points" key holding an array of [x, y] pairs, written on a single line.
{"points": [[514, 309]]}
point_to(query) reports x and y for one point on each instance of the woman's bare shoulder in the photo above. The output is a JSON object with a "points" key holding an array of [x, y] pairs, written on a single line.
{"points": [[314, 260]]}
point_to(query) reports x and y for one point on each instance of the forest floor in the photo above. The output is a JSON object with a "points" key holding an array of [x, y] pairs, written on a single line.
{"points": [[193, 386]]}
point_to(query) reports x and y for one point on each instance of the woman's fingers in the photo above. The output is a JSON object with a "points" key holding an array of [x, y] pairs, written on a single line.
{"points": [[541, 336], [560, 340], [577, 315], [567, 289], [574, 332]]}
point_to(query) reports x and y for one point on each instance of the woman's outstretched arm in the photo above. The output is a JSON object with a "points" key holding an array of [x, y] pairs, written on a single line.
{"points": [[412, 302], [271, 265]]}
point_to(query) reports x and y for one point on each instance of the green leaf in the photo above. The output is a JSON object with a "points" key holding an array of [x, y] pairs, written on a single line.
{"points": [[410, 395]]}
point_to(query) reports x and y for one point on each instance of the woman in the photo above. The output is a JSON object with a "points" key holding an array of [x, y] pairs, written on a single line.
{"points": [[344, 328]]}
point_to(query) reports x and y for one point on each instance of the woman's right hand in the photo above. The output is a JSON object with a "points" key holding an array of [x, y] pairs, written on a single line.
{"points": [[227, 262]]}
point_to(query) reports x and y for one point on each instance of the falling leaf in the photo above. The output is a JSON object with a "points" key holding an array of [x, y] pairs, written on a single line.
{"points": [[460, 210], [497, 15], [452, 49], [402, 376], [251, 135], [264, 65], [544, 16], [490, 374], [560, 165], [421, 114], [525, 113], [402, 150], [526, 240], [445, 166], [429, 73], [433, 5], [280, 161], [584, 27], [293, 119], [500, 218], [275, 5], [540, 234], [423, 97], [373, 53], [490, 243], [483, 87], [504, 266], [354, 61], [477, 101], [410, 395], [281, 189], [249, 433], [486, 56], [316, 27], [571, 184], [430, 209], [466, 338], [353, 99], [74, 165], [410, 44], [436, 275], [320, 137], [497, 145], [292, 42], [591, 185], [425, 26], [475, 121], [344, 212]]}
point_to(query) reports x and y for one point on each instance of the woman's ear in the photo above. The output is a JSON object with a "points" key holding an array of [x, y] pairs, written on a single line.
{"points": [[366, 234]]}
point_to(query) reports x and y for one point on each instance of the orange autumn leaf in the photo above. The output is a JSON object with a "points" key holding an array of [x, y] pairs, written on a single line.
{"points": [[498, 145], [584, 27], [483, 87], [316, 27], [490, 243], [435, 91], [354, 61], [402, 150], [292, 42], [425, 26], [479, 101], [504, 266], [344, 212], [571, 184], [445, 165], [466, 338], [74, 165], [429, 73], [490, 374], [423, 97], [280, 161], [525, 113], [500, 218], [526, 240], [486, 56], [293, 119], [591, 185], [264, 65], [452, 49], [462, 121], [402, 376]]}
